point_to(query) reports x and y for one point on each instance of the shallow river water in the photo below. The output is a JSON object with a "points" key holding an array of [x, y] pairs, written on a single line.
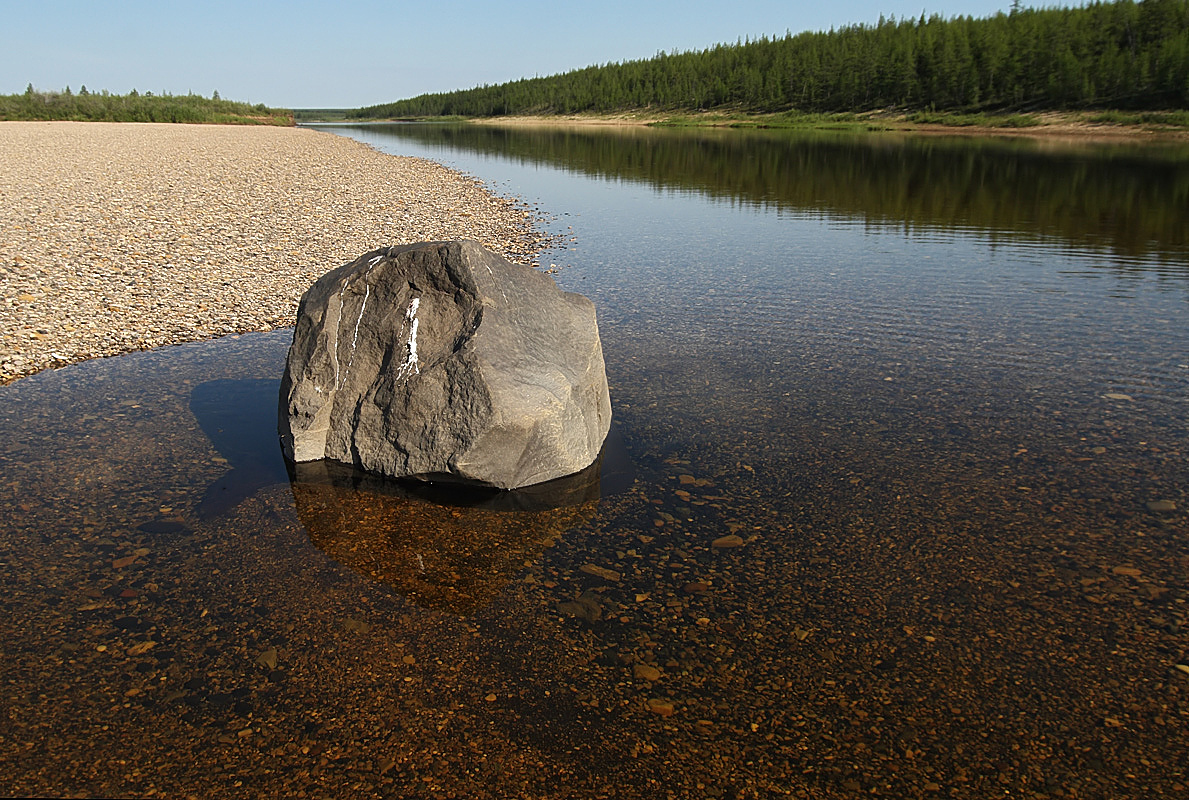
{"points": [[898, 506]]}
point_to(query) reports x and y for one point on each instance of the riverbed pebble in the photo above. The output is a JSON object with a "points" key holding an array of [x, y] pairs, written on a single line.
{"points": [[116, 237]]}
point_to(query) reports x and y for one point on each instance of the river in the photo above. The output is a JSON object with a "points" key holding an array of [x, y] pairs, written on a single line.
{"points": [[901, 428]]}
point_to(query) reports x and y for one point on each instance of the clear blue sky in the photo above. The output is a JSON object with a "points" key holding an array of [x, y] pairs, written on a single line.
{"points": [[319, 53]]}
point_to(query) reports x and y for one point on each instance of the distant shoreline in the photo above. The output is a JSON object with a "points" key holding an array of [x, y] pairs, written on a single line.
{"points": [[1050, 125]]}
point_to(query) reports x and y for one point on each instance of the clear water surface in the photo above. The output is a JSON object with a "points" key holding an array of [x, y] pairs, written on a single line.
{"points": [[904, 512]]}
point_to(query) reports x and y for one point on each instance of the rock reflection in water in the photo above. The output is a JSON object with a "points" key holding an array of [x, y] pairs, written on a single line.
{"points": [[444, 547]]}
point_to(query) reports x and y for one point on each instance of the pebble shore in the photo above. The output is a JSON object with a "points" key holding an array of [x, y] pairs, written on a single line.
{"points": [[117, 237]]}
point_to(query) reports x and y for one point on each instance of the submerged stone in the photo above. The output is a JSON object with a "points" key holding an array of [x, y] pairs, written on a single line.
{"points": [[444, 361]]}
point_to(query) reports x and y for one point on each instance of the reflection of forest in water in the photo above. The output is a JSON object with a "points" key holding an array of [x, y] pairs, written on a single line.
{"points": [[1126, 199]]}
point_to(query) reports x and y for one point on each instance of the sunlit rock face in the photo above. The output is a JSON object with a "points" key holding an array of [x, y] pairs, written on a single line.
{"points": [[444, 361]]}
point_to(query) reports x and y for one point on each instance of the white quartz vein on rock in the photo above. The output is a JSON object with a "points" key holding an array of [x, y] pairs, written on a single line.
{"points": [[410, 366]]}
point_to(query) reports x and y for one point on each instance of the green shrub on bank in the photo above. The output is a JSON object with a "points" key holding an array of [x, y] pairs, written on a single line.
{"points": [[103, 106], [1167, 119], [974, 120]]}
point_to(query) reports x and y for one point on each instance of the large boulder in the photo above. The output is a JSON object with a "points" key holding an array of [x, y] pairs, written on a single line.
{"points": [[444, 361]]}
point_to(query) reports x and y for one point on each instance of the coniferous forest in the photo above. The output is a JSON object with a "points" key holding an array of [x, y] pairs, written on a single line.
{"points": [[136, 107], [1119, 55]]}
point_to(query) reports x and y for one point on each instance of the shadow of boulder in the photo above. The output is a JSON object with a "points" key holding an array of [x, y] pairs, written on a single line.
{"points": [[240, 419]]}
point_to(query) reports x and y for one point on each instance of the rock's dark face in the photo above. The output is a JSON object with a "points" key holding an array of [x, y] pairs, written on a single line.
{"points": [[445, 360]]}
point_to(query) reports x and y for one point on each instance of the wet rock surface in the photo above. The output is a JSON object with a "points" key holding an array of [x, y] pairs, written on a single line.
{"points": [[444, 361]]}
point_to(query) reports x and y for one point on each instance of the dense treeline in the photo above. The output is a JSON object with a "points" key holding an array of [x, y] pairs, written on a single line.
{"points": [[135, 107], [1120, 54]]}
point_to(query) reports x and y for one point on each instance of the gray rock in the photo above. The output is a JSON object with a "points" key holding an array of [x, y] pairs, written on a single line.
{"points": [[442, 360]]}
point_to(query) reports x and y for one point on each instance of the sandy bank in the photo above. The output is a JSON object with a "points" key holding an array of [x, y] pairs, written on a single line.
{"points": [[1053, 125], [121, 237]]}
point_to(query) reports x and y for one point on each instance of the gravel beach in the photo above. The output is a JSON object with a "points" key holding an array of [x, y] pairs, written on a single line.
{"points": [[116, 237]]}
